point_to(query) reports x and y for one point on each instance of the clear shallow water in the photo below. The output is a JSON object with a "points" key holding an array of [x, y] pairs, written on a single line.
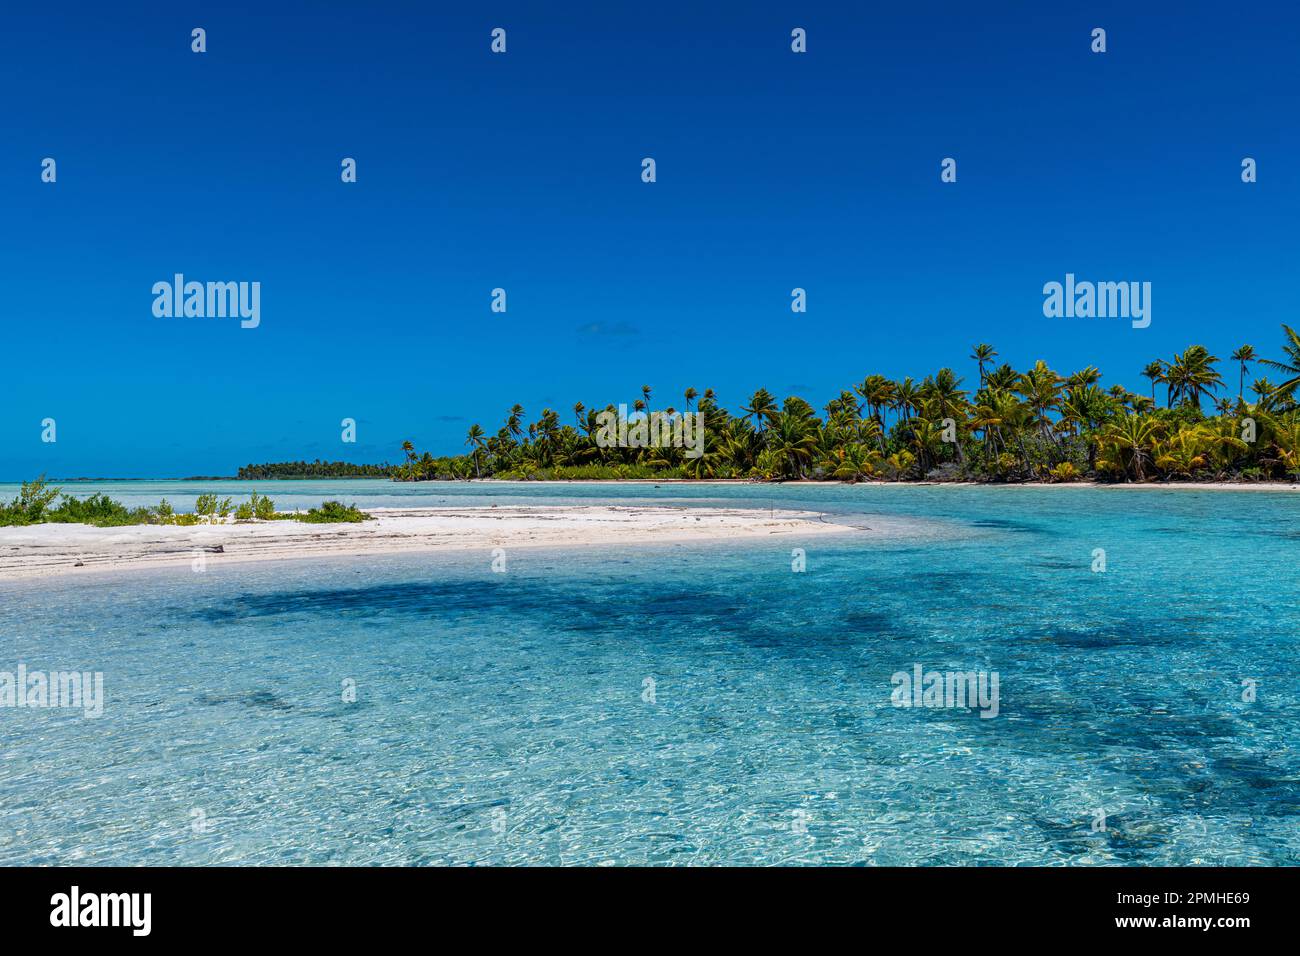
{"points": [[500, 717]]}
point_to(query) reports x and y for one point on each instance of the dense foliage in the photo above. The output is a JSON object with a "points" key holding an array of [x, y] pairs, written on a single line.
{"points": [[1035, 424]]}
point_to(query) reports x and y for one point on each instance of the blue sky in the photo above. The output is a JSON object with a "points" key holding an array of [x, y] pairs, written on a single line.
{"points": [[522, 170]]}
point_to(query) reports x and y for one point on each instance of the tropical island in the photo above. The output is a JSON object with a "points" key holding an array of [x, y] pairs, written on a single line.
{"points": [[1014, 426]]}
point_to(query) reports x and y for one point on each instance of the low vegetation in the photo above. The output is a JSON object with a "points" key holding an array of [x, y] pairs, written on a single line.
{"points": [[35, 504], [331, 512]]}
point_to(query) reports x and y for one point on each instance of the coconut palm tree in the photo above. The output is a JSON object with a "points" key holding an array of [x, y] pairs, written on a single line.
{"points": [[906, 398], [1133, 436], [1040, 387], [515, 417], [985, 420], [1156, 372], [760, 408], [1085, 376], [927, 440], [1264, 391], [983, 353], [1183, 454], [1244, 355], [1191, 375], [1286, 439], [792, 440], [882, 396], [854, 462], [475, 438], [1291, 365]]}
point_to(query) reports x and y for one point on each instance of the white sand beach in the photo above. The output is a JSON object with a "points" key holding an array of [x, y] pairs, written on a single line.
{"points": [[55, 549]]}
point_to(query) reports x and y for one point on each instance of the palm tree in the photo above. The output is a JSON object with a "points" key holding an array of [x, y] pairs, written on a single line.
{"points": [[854, 462], [645, 393], [906, 397], [983, 353], [1244, 355], [690, 397], [1286, 440], [1156, 372], [1184, 453], [882, 396], [943, 399], [1291, 366], [760, 408], [927, 439], [1041, 389], [792, 440], [475, 438], [1191, 375], [516, 416], [426, 465], [1087, 407], [877, 392], [1264, 391], [1134, 435], [985, 420], [1085, 376]]}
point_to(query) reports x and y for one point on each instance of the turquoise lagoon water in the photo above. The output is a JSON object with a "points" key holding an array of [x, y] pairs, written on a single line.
{"points": [[501, 719]]}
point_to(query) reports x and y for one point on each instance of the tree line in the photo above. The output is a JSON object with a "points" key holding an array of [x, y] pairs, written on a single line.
{"points": [[1011, 425], [313, 469]]}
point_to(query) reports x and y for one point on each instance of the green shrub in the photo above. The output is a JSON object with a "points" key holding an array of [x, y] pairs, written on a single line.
{"points": [[331, 511], [263, 507], [30, 505], [257, 506], [98, 510]]}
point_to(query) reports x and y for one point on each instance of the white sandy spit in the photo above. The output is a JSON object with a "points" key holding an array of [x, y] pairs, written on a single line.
{"points": [[49, 549]]}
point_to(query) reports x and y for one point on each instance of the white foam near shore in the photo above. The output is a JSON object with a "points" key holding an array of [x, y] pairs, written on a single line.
{"points": [[51, 549]]}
